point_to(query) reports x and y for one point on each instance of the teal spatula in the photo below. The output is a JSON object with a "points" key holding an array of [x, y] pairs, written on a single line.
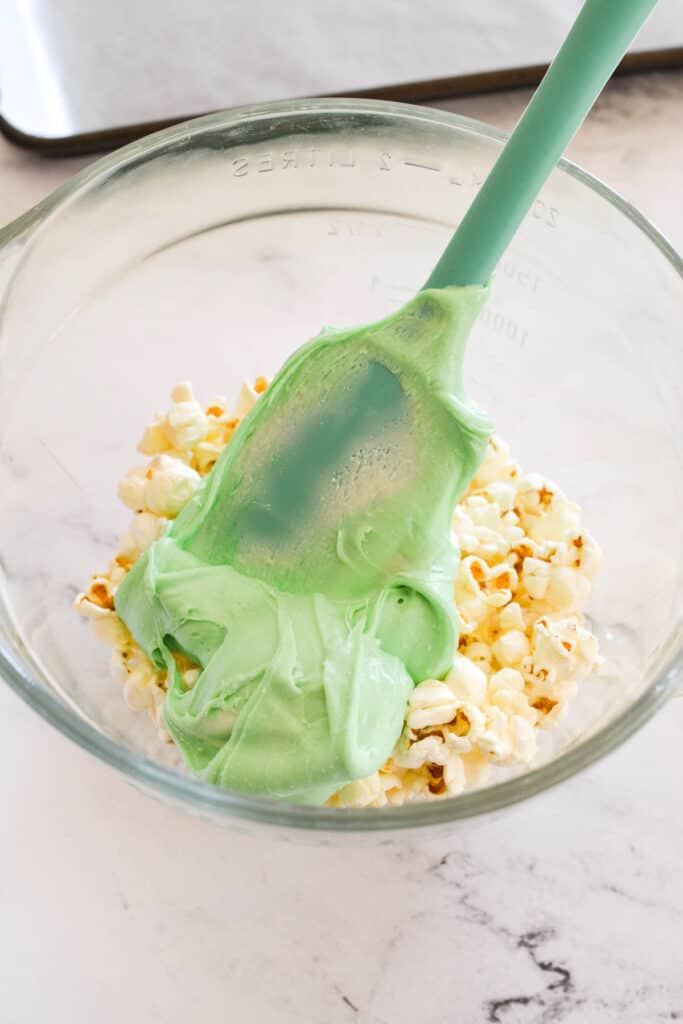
{"points": [[382, 387], [311, 578], [595, 45]]}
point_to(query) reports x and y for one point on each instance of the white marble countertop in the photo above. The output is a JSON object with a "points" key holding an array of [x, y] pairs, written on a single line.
{"points": [[568, 908]]}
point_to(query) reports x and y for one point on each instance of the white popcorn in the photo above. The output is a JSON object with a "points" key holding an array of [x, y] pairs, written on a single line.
{"points": [[360, 793], [506, 679], [182, 392], [162, 488], [535, 576], [588, 648], [246, 400], [566, 588], [511, 617], [513, 702], [111, 630], [496, 464], [461, 744], [186, 423], [132, 489], [511, 647], [477, 769], [589, 555], [154, 440], [479, 653], [454, 775], [431, 703], [503, 494], [145, 529], [206, 455], [89, 608], [523, 736], [468, 723], [430, 749], [136, 695], [170, 486], [467, 680], [494, 742], [561, 518]]}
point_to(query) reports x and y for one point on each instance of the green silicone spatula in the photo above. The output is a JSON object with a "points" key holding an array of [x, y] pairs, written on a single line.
{"points": [[299, 481], [311, 577], [598, 40]]}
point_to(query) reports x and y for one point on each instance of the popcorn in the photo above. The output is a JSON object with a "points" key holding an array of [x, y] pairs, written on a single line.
{"points": [[170, 485], [524, 744], [496, 465], [494, 742], [566, 588], [514, 703], [154, 440], [145, 529], [535, 577], [511, 647], [111, 630], [505, 679], [428, 750], [431, 703], [526, 569], [477, 652], [249, 395], [206, 456], [186, 423], [162, 488], [132, 489], [466, 679], [511, 617]]}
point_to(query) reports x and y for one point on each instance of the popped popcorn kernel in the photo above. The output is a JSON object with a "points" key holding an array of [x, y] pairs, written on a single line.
{"points": [[511, 647], [186, 424], [182, 392], [466, 680], [535, 576], [566, 588], [132, 488], [154, 439], [431, 703], [248, 397], [170, 485]]}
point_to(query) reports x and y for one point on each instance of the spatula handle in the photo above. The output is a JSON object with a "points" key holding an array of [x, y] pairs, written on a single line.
{"points": [[599, 38]]}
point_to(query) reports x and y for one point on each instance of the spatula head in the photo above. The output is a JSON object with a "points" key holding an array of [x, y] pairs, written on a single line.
{"points": [[311, 577], [346, 472]]}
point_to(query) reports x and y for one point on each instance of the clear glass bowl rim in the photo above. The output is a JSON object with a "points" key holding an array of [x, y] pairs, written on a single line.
{"points": [[210, 800]]}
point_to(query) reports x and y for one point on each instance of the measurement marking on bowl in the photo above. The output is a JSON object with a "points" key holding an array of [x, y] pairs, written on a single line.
{"points": [[523, 278], [292, 159], [410, 162], [507, 325], [310, 157]]}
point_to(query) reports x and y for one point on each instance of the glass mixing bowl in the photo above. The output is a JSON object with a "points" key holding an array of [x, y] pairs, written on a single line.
{"points": [[211, 250]]}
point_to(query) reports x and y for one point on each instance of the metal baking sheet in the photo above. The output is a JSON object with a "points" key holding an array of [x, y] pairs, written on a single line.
{"points": [[79, 74]]}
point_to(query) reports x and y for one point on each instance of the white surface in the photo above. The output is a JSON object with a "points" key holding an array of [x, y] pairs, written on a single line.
{"points": [[568, 908], [116, 908], [87, 65]]}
